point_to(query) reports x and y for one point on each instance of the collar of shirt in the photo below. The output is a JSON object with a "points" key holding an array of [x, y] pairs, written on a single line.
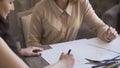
{"points": [[58, 10]]}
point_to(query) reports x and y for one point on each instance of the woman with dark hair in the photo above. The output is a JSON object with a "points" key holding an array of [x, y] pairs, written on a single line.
{"points": [[5, 9], [7, 58]]}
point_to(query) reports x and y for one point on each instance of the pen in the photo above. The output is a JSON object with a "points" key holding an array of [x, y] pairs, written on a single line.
{"points": [[115, 57], [69, 52], [115, 65]]}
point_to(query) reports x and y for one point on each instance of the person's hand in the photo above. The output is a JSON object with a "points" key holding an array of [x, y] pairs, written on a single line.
{"points": [[31, 51], [110, 34], [67, 60]]}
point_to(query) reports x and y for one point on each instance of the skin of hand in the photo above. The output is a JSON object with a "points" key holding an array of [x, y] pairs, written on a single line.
{"points": [[67, 60], [110, 34], [29, 51]]}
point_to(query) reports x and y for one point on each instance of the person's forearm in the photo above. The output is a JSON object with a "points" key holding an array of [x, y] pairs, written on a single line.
{"points": [[95, 23], [8, 59]]}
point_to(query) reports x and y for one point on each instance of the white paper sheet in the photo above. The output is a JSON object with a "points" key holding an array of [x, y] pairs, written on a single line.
{"points": [[80, 50], [112, 46], [75, 42]]}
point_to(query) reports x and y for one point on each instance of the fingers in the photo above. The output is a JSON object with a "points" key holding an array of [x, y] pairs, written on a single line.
{"points": [[63, 56], [36, 51], [67, 60], [33, 51], [111, 34]]}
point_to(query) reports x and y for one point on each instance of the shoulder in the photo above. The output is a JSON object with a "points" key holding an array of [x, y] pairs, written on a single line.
{"points": [[40, 6], [85, 4]]}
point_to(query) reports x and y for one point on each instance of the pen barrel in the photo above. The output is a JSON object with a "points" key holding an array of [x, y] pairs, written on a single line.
{"points": [[69, 51], [115, 65]]}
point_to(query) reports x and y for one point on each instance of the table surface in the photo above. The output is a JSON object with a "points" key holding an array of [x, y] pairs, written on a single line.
{"points": [[36, 62]]}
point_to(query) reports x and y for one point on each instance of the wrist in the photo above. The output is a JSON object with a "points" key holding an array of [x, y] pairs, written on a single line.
{"points": [[62, 64]]}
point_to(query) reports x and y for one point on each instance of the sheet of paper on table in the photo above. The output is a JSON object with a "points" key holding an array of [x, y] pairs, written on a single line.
{"points": [[112, 46], [80, 49]]}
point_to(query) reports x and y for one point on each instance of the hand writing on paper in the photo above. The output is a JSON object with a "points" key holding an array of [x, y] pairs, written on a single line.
{"points": [[67, 60]]}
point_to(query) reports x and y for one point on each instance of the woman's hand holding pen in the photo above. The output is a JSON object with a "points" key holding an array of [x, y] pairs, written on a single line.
{"points": [[110, 34], [67, 60]]}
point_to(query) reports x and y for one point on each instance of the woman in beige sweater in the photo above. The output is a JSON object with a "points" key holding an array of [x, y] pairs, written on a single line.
{"points": [[56, 21]]}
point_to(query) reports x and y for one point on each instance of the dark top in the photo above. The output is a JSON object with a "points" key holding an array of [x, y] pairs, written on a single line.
{"points": [[118, 20], [5, 34]]}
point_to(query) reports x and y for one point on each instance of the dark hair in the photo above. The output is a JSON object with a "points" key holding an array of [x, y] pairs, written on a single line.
{"points": [[5, 34], [118, 23]]}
